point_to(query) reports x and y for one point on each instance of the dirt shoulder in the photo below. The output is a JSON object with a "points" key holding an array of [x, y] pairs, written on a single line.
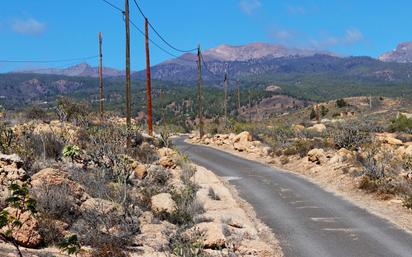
{"points": [[333, 179], [238, 219]]}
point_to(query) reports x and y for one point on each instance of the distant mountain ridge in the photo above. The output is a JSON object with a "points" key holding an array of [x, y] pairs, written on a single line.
{"points": [[402, 54], [79, 70]]}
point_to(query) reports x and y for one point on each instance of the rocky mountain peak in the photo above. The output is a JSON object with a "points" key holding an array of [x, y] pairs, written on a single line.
{"points": [[402, 54]]}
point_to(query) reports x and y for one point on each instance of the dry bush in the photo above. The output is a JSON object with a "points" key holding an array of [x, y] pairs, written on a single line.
{"points": [[57, 202], [212, 194], [187, 244], [50, 230], [350, 136]]}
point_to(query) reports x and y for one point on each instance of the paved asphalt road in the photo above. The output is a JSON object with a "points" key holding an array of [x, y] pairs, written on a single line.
{"points": [[308, 221]]}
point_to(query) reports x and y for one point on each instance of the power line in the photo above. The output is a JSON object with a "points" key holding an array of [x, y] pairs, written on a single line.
{"points": [[160, 36], [49, 61], [113, 6]]}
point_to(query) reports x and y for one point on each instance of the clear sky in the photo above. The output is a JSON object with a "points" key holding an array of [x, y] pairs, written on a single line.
{"points": [[60, 29]]}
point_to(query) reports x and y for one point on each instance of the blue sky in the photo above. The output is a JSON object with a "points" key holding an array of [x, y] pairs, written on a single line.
{"points": [[50, 29]]}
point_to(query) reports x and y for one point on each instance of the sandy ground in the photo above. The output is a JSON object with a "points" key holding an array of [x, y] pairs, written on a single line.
{"points": [[236, 208], [335, 181]]}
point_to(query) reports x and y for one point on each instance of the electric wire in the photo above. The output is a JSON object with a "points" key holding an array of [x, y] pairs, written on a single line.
{"points": [[49, 61], [159, 35], [113, 6]]}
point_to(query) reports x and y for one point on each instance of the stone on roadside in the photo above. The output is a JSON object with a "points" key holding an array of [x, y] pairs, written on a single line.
{"points": [[163, 203]]}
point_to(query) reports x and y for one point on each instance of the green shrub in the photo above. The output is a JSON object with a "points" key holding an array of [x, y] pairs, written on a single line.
{"points": [[401, 124], [323, 111], [340, 103]]}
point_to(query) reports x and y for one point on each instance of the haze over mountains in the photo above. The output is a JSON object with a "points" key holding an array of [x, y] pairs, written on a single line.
{"points": [[240, 61]]}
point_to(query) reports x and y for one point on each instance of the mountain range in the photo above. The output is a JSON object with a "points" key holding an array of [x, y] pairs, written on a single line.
{"points": [[241, 61]]}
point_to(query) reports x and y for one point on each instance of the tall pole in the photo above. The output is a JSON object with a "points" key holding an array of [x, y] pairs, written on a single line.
{"points": [[199, 92], [101, 75], [128, 82], [225, 85], [148, 79], [238, 95], [250, 108]]}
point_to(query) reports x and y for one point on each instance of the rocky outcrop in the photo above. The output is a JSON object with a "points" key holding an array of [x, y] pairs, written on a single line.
{"points": [[317, 156], [28, 234], [163, 203]]}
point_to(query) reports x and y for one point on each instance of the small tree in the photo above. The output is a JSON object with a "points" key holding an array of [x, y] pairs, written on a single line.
{"points": [[313, 115], [19, 202], [340, 103], [323, 111]]}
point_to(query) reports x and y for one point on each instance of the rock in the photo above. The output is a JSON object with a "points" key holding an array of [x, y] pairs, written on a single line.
{"points": [[100, 207], [167, 162], [298, 127], [320, 128], [139, 171], [50, 177], [406, 175], [163, 152], [408, 150], [389, 139], [267, 150], [11, 160], [28, 234], [214, 237], [240, 146], [245, 136], [317, 155], [163, 202]]}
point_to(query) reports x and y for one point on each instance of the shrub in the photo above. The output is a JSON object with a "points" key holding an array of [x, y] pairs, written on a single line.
{"points": [[50, 230], [407, 201], [57, 202], [71, 151], [184, 244], [401, 124], [70, 245], [313, 114], [35, 113], [350, 136], [323, 111], [340, 103]]}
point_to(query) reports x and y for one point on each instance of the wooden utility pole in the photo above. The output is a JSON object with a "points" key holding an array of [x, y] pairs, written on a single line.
{"points": [[199, 92], [128, 81], [101, 75], [225, 88], [250, 107], [148, 80], [238, 95]]}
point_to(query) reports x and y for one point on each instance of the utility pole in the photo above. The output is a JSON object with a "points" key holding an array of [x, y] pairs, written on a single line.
{"points": [[199, 92], [238, 95], [148, 79], [101, 75], [225, 88], [250, 108], [128, 81]]}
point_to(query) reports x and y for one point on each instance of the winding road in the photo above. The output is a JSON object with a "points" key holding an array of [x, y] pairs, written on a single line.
{"points": [[308, 221]]}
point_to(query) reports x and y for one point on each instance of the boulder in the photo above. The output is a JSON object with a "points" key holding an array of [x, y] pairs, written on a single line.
{"points": [[298, 127], [214, 236], [267, 150], [163, 152], [100, 207], [245, 136], [28, 234], [139, 171], [317, 156], [163, 203], [388, 138], [320, 128], [408, 150], [56, 178], [240, 146], [167, 162]]}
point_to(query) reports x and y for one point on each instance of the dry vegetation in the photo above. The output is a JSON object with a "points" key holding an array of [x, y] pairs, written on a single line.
{"points": [[72, 184], [364, 139]]}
